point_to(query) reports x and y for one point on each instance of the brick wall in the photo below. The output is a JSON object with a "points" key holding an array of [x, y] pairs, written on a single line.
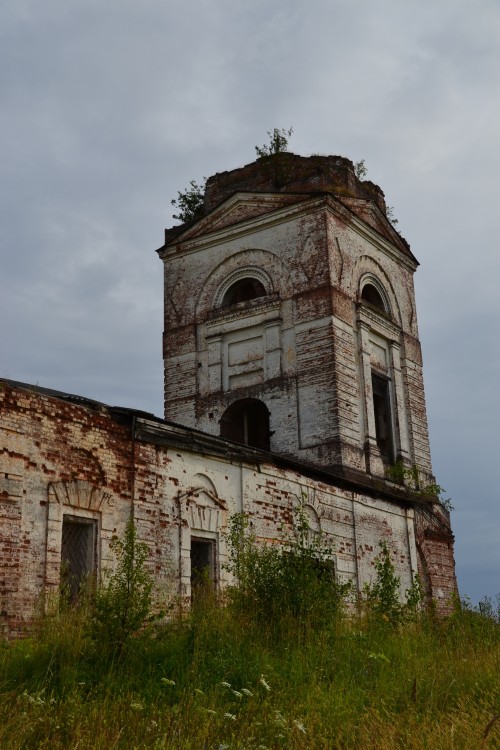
{"points": [[83, 459]]}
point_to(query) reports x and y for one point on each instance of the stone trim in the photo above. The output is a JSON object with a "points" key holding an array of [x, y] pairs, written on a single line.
{"points": [[84, 500], [251, 272]]}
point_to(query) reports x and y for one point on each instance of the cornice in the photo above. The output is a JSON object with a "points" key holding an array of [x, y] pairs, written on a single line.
{"points": [[377, 322], [263, 313]]}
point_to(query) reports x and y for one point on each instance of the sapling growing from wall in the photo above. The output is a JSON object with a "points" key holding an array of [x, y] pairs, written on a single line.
{"points": [[189, 202], [123, 601], [409, 476], [278, 142], [383, 595], [390, 215], [360, 169]]}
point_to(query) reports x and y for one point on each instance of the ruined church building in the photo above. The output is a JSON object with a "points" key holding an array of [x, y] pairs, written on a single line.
{"points": [[293, 379]]}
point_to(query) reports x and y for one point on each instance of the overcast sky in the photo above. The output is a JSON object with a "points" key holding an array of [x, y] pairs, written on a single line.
{"points": [[108, 107]]}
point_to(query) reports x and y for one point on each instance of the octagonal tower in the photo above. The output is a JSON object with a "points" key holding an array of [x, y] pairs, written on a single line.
{"points": [[290, 318]]}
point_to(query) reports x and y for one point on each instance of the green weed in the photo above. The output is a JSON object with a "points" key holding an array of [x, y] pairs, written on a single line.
{"points": [[225, 677]]}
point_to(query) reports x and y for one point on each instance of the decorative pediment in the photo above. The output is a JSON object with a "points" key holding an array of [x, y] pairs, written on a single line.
{"points": [[369, 212], [240, 207], [201, 507]]}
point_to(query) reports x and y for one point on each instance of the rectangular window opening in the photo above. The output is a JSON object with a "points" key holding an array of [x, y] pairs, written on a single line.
{"points": [[78, 555], [324, 570], [383, 417]]}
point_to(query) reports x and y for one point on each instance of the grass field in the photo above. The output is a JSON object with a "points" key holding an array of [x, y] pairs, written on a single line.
{"points": [[281, 663], [220, 680]]}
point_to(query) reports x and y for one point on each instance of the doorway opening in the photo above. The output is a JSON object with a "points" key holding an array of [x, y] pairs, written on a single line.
{"points": [[202, 566]]}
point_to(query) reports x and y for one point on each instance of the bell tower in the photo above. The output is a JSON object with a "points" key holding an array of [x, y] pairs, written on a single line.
{"points": [[290, 318]]}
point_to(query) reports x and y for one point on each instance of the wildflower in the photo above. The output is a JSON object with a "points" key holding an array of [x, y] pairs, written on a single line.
{"points": [[280, 720], [230, 716], [200, 692], [209, 711], [35, 700], [264, 683], [167, 681], [237, 693], [379, 657], [225, 684], [299, 726], [247, 692], [136, 706]]}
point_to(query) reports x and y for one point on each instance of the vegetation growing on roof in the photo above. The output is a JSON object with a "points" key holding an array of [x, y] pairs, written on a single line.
{"points": [[278, 142], [409, 476], [189, 202]]}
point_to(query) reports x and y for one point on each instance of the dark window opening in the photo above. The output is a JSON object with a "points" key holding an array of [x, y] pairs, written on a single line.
{"points": [[324, 570], [78, 554], [372, 297], [321, 570], [202, 565], [243, 291], [383, 420], [247, 422]]}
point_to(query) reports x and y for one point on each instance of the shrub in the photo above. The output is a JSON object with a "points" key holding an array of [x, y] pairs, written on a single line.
{"points": [[291, 580], [383, 596], [122, 603]]}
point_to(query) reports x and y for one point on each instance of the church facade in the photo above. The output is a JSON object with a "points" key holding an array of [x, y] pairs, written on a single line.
{"points": [[293, 379]]}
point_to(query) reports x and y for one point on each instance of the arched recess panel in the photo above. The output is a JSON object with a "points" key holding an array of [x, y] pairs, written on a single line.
{"points": [[366, 271], [262, 265]]}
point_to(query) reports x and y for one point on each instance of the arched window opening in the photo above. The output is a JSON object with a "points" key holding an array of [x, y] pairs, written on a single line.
{"points": [[243, 290], [372, 297], [247, 422]]}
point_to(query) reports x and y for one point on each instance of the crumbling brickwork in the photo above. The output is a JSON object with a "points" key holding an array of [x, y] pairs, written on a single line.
{"points": [[315, 237], [89, 462], [55, 457], [293, 364]]}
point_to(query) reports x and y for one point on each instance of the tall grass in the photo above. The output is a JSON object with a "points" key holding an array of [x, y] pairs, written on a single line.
{"points": [[217, 680], [227, 678]]}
